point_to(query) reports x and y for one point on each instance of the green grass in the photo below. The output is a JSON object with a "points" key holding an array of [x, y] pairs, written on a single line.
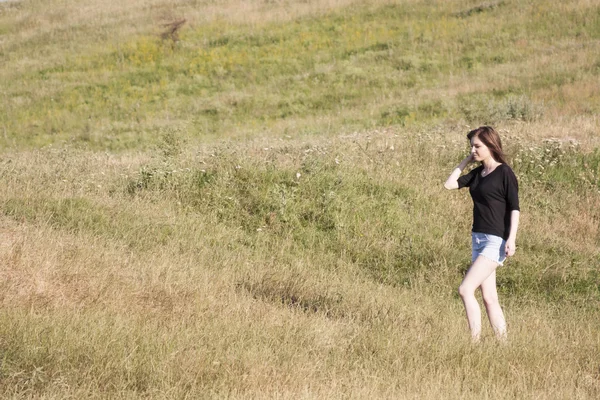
{"points": [[257, 210], [245, 79]]}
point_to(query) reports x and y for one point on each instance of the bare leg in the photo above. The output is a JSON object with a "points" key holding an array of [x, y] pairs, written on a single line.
{"points": [[480, 270], [489, 293]]}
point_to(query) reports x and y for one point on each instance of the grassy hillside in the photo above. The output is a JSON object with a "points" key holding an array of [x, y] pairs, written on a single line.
{"points": [[255, 210], [83, 74]]}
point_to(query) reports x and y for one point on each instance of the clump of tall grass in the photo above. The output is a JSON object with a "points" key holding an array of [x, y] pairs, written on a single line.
{"points": [[558, 162], [490, 110]]}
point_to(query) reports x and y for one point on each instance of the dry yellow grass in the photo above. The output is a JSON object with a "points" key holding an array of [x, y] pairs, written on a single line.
{"points": [[215, 311]]}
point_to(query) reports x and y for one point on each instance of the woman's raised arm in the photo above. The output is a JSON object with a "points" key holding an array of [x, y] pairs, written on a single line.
{"points": [[452, 181]]}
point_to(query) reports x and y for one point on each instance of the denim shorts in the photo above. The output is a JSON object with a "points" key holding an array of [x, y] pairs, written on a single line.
{"points": [[490, 246]]}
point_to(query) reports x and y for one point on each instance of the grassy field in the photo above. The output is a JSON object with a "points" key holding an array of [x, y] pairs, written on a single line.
{"points": [[252, 207]]}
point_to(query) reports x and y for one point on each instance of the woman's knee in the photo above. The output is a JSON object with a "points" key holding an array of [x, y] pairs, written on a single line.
{"points": [[490, 299], [465, 291]]}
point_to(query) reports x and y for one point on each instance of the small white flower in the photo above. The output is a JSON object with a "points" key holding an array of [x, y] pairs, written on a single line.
{"points": [[298, 175]]}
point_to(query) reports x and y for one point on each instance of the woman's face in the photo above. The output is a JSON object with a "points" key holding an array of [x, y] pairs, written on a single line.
{"points": [[479, 150]]}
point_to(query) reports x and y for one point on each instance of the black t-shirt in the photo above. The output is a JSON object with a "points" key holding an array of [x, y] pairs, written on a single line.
{"points": [[494, 197]]}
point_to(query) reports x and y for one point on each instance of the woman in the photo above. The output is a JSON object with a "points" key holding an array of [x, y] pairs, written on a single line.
{"points": [[494, 190]]}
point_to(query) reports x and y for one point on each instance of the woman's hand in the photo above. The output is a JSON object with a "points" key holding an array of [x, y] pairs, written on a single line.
{"points": [[452, 181], [514, 225], [510, 247]]}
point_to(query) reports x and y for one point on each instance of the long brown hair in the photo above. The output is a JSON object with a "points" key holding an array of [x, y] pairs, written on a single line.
{"points": [[491, 139]]}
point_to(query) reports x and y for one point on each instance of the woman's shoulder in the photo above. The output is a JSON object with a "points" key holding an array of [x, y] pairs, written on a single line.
{"points": [[505, 167], [507, 170]]}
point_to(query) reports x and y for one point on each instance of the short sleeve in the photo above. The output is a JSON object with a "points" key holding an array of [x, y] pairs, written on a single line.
{"points": [[467, 179], [511, 187]]}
